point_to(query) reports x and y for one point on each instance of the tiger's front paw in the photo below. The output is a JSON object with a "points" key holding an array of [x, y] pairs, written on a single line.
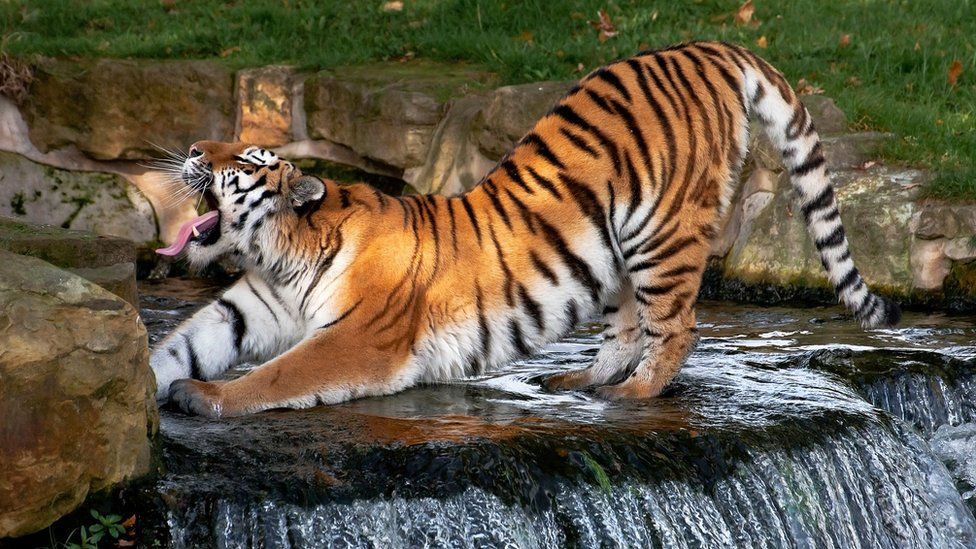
{"points": [[196, 397]]}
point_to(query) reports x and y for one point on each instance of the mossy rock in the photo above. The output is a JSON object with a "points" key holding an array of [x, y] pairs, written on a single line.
{"points": [[103, 203]]}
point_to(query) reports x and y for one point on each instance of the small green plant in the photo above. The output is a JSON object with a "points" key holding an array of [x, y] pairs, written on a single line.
{"points": [[92, 534]]}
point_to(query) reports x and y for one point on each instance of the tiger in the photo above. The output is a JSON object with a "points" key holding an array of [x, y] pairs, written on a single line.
{"points": [[605, 209]]}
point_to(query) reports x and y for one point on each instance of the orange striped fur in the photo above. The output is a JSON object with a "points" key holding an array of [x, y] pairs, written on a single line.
{"points": [[608, 206]]}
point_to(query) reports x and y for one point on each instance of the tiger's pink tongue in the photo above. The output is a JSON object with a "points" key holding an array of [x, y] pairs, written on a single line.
{"points": [[201, 223]]}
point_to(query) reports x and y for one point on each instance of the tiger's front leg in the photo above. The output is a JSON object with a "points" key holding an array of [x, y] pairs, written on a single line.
{"points": [[338, 363], [250, 322]]}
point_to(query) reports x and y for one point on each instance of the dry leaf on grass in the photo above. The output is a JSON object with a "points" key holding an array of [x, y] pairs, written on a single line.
{"points": [[845, 40], [805, 88], [955, 70], [744, 15], [605, 27], [229, 51], [393, 6], [762, 42]]}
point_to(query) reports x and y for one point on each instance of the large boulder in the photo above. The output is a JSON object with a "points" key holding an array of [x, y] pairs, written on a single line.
{"points": [[112, 108], [876, 207], [388, 112], [102, 203], [106, 261], [76, 393]]}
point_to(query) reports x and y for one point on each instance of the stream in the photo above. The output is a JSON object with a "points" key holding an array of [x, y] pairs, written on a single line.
{"points": [[789, 427]]}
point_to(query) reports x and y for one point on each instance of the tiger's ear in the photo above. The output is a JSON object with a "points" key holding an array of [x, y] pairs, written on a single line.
{"points": [[305, 189]]}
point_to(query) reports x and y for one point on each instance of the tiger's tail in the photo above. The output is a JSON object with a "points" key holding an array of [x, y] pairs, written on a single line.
{"points": [[787, 123]]}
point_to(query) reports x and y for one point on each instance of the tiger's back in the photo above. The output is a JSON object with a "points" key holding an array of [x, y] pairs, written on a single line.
{"points": [[608, 205]]}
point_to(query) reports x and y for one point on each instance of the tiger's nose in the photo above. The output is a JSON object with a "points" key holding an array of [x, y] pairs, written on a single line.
{"points": [[195, 151]]}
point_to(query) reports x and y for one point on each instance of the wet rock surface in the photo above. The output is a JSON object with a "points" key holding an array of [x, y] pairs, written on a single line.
{"points": [[769, 437], [76, 393]]}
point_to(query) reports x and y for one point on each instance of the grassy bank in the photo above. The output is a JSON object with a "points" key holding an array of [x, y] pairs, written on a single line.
{"points": [[890, 74]]}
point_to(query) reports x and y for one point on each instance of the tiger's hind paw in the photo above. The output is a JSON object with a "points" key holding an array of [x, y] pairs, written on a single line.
{"points": [[196, 397], [628, 390], [572, 380]]}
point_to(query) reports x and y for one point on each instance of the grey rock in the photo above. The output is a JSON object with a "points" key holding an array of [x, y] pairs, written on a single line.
{"points": [[106, 261]]}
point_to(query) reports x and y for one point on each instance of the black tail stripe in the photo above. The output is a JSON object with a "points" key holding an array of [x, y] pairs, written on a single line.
{"points": [[849, 280], [813, 162], [834, 239], [823, 201]]}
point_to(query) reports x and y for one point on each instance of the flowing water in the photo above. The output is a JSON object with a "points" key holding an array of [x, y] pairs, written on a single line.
{"points": [[787, 428]]}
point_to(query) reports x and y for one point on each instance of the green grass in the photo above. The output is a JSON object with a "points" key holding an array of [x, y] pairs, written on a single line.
{"points": [[891, 77]]}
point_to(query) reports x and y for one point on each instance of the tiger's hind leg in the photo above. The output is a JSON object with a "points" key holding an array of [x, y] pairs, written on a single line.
{"points": [[666, 278], [620, 351]]}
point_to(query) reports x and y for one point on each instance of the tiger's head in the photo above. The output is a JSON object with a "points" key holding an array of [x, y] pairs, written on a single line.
{"points": [[243, 187]]}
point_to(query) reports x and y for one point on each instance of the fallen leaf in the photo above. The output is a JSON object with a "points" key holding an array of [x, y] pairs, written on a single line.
{"points": [[129, 522], [845, 40], [654, 16], [955, 69], [744, 15], [867, 165], [229, 51], [527, 37], [393, 6], [853, 81], [406, 57], [605, 27], [762, 42], [580, 68], [125, 543], [805, 88], [918, 45]]}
